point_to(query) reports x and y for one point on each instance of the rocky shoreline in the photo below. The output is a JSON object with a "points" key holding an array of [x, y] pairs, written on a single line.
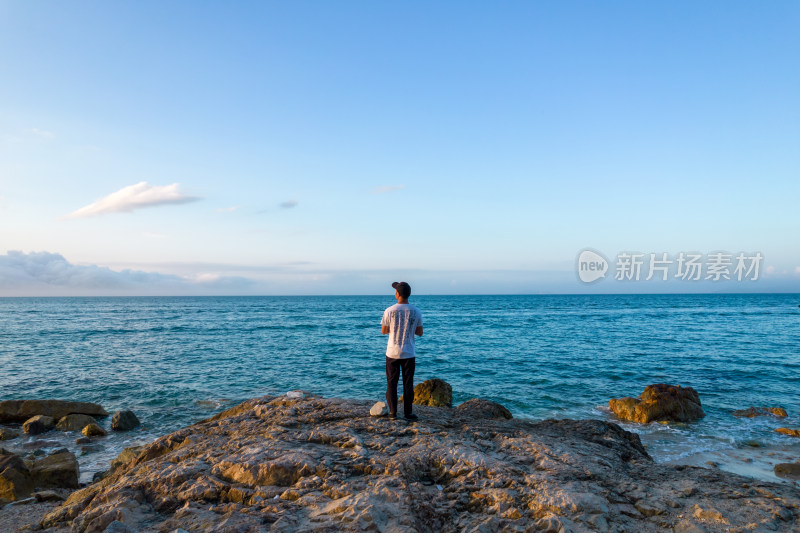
{"points": [[304, 463]]}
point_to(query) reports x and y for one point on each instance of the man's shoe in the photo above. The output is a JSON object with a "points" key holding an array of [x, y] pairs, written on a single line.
{"points": [[412, 416], [392, 416]]}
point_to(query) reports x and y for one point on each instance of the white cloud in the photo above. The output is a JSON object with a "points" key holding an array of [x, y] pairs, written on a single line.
{"points": [[50, 274], [44, 134], [288, 204], [134, 197], [383, 189]]}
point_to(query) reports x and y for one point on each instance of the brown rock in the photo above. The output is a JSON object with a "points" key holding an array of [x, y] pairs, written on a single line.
{"points": [[124, 420], [126, 456], [15, 479], [74, 422], [433, 393], [751, 412], [480, 408], [671, 403], [788, 470], [59, 470], [789, 431], [21, 410], [8, 433], [93, 430], [38, 424]]}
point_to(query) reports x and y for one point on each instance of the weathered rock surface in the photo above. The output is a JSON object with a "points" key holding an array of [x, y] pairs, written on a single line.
{"points": [[38, 424], [312, 464], [74, 422], [21, 410], [752, 412], [789, 431], [379, 409], [480, 408], [124, 420], [93, 430], [15, 479], [433, 393], [59, 470], [660, 401]]}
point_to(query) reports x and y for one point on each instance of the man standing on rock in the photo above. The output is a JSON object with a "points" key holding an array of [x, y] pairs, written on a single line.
{"points": [[401, 321]]}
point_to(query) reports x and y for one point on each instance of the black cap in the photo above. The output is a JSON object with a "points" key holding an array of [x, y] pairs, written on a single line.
{"points": [[403, 288]]}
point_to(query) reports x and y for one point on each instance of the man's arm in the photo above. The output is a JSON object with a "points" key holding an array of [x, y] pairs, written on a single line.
{"points": [[418, 331], [385, 330]]}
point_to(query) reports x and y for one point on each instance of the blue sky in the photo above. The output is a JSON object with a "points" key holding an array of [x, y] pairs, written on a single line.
{"points": [[323, 147]]}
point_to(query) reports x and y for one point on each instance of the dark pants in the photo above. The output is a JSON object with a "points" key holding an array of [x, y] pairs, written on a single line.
{"points": [[393, 367]]}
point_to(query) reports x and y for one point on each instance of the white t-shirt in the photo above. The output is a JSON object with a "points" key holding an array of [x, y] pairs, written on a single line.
{"points": [[402, 321]]}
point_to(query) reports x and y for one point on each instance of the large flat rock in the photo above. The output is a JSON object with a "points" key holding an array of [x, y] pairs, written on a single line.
{"points": [[22, 410], [313, 464]]}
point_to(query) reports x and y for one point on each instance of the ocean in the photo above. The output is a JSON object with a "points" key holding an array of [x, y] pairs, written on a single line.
{"points": [[174, 361]]}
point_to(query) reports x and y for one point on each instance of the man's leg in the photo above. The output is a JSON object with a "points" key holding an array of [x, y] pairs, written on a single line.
{"points": [[408, 384], [392, 377]]}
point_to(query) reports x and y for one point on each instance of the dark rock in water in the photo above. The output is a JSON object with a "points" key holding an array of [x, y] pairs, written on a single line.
{"points": [[15, 479], [98, 476], [93, 430], [789, 431], [752, 412], [83, 440], [59, 470], [38, 424], [90, 448], [480, 408], [671, 403], [788, 470], [36, 444], [21, 410], [74, 422], [433, 393], [348, 471], [8, 433], [124, 420]]}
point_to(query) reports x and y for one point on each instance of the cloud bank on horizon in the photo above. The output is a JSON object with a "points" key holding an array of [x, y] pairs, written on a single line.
{"points": [[134, 197]]}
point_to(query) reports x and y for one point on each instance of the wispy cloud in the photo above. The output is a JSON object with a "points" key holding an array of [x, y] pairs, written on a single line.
{"points": [[134, 197], [228, 209], [44, 134], [288, 204], [383, 189]]}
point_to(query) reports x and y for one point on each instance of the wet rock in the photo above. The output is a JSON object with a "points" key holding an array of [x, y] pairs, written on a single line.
{"points": [[8, 433], [22, 410], [124, 420], [37, 444], [90, 448], [47, 496], [93, 430], [16, 482], [752, 412], [83, 440], [59, 470], [433, 393], [379, 409], [480, 408], [38, 424], [74, 422], [660, 402], [790, 432], [787, 470]]}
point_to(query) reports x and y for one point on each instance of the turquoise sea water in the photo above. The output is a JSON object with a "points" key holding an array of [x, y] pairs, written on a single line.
{"points": [[177, 360]]}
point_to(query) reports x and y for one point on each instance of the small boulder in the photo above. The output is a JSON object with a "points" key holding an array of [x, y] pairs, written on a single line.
{"points": [[83, 440], [93, 430], [433, 393], [124, 420], [379, 409], [126, 456], [8, 433], [752, 412], [47, 496], [38, 424], [788, 470], [59, 470], [74, 422], [671, 403], [789, 431], [480, 408], [15, 479]]}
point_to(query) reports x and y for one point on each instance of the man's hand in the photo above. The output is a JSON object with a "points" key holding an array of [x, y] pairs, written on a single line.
{"points": [[385, 330], [418, 331]]}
